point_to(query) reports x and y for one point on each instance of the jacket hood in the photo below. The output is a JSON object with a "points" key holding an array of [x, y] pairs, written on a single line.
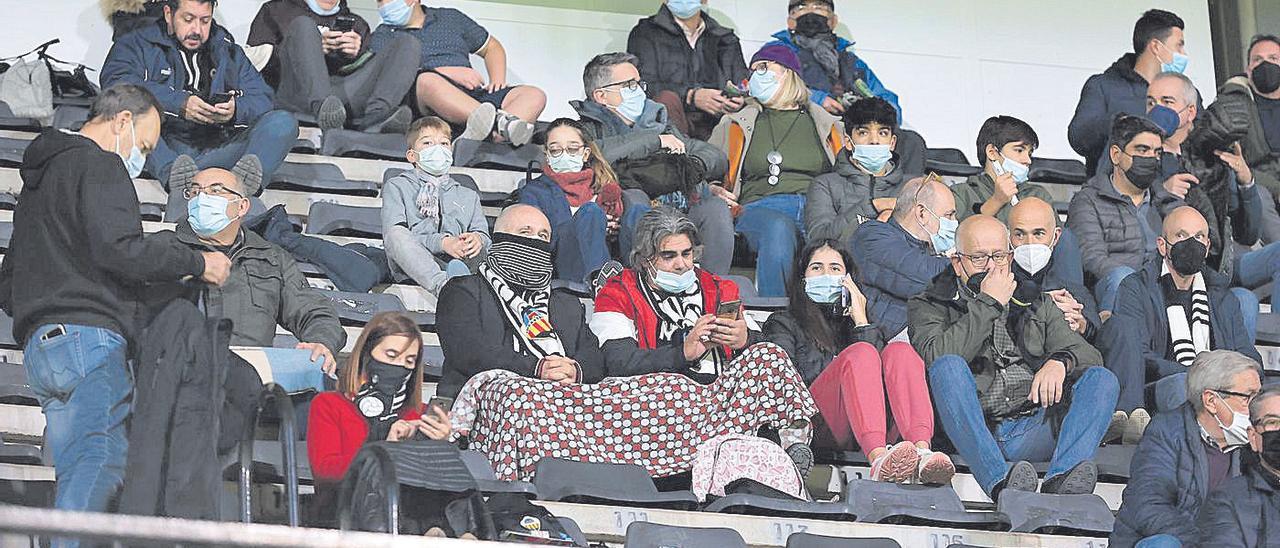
{"points": [[654, 113], [42, 152], [110, 7], [784, 36], [1239, 84], [1123, 68]]}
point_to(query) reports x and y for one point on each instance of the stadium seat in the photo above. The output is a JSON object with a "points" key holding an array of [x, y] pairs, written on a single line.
{"points": [[358, 308], [598, 483], [7, 339], [13, 385], [642, 534], [319, 177], [6, 234], [20, 453], [9, 121], [1079, 515], [489, 483], [751, 299], [462, 179], [1269, 329], [11, 149], [487, 155], [70, 117], [761, 505], [883, 502], [810, 540], [1058, 171], [912, 152], [384, 468], [335, 219], [574, 530], [272, 397], [949, 161], [358, 144], [1113, 460]]}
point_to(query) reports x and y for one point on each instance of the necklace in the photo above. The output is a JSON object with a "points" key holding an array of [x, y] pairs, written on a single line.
{"points": [[774, 157]]}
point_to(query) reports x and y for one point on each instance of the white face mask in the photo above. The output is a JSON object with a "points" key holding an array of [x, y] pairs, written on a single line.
{"points": [[1237, 433], [1032, 257]]}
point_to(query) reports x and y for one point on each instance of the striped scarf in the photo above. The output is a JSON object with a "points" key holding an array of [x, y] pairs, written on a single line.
{"points": [[1189, 340], [678, 312], [380, 425], [529, 314]]}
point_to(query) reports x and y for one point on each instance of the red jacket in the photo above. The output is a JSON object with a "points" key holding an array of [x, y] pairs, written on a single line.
{"points": [[335, 432]]}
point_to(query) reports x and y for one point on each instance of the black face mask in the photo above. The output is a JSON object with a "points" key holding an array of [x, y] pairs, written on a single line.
{"points": [[812, 24], [1187, 257], [1144, 171], [1028, 288], [975, 282], [1266, 77], [387, 378], [1271, 448]]}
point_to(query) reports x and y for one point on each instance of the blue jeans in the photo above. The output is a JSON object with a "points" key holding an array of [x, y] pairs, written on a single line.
{"points": [[579, 243], [271, 138], [955, 395], [1248, 310], [1068, 265], [773, 226], [1106, 288], [84, 386], [1159, 541]]}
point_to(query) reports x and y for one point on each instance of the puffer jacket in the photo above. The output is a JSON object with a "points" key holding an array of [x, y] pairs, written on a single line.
{"points": [[619, 141], [840, 201], [1106, 223], [852, 69], [1244, 512], [892, 266], [1119, 89], [976, 190], [1237, 96], [667, 62]]}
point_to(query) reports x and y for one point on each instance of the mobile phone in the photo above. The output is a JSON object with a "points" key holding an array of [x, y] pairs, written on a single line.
{"points": [[218, 98], [442, 402], [343, 23], [728, 310]]}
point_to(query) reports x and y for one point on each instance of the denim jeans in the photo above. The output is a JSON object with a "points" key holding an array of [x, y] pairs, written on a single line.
{"points": [[271, 138], [955, 395], [83, 383], [579, 244], [1068, 265], [711, 215], [1106, 288], [1159, 541], [773, 226], [1248, 310]]}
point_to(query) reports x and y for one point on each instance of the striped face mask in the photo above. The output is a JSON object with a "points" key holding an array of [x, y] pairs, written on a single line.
{"points": [[520, 261]]}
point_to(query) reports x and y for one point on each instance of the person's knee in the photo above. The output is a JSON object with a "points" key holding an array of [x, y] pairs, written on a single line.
{"points": [[948, 369], [430, 83], [405, 46], [301, 30], [1101, 381], [900, 354], [526, 94], [859, 354], [278, 124]]}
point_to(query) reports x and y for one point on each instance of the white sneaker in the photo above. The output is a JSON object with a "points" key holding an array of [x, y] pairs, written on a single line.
{"points": [[897, 465], [480, 122], [1137, 424], [935, 468], [1115, 429]]}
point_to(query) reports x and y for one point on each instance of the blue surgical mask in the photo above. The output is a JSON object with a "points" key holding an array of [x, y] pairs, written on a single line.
{"points": [[208, 214], [823, 288], [395, 13], [1019, 171], [136, 160], [633, 101], [1177, 64], [566, 163], [675, 283], [435, 159], [684, 9], [945, 240], [315, 8], [763, 85], [872, 157]]}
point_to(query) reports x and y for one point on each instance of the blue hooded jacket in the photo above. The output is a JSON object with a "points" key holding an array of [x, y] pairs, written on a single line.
{"points": [[852, 68]]}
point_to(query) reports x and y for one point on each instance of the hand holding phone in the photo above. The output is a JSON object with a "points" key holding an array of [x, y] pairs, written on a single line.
{"points": [[729, 310]]}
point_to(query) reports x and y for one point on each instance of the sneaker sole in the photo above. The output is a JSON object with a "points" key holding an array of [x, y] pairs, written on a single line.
{"points": [[397, 122], [480, 123], [249, 170], [900, 464], [1080, 480], [938, 470], [181, 172], [1135, 428], [520, 132], [802, 456], [1022, 477], [1115, 429], [332, 114]]}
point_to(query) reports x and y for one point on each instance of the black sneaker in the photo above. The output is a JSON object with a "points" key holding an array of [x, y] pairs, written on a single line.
{"points": [[802, 455], [331, 113], [1079, 480], [1021, 477], [181, 172]]}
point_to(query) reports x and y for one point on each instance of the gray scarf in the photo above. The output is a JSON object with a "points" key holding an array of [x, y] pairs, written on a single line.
{"points": [[823, 48]]}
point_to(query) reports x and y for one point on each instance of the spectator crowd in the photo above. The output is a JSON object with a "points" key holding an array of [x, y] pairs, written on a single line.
{"points": [[909, 301]]}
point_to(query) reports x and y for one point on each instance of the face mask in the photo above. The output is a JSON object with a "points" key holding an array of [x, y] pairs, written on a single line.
{"points": [[1177, 64], [566, 163], [823, 288], [387, 378], [1271, 448], [1032, 257], [763, 85], [872, 157], [1266, 77], [675, 283], [315, 8], [136, 160], [435, 159], [1143, 172], [1187, 257], [520, 261], [812, 24], [395, 13], [632, 105], [1019, 171], [1237, 433], [975, 282], [684, 9], [208, 214], [1165, 117], [945, 239]]}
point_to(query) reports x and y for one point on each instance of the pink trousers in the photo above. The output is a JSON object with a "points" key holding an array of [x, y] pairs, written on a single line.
{"points": [[851, 395]]}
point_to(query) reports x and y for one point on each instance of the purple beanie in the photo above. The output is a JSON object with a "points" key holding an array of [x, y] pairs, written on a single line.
{"points": [[780, 54]]}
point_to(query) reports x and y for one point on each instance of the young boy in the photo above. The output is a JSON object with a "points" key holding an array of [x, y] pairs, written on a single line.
{"points": [[866, 180], [1005, 145], [432, 227], [448, 86]]}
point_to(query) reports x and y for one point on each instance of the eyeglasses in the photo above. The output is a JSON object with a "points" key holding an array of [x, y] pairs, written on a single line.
{"points": [[629, 85], [1246, 397], [1000, 257], [573, 150], [216, 189]]}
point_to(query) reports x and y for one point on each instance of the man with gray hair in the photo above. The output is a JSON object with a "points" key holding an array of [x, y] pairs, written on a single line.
{"points": [[1241, 512], [898, 258], [636, 136], [1188, 453]]}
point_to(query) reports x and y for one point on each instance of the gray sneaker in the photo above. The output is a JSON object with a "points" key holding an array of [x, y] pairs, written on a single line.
{"points": [[249, 171], [331, 114], [480, 122], [396, 122], [1115, 429], [1137, 424], [516, 131], [181, 172], [1021, 477]]}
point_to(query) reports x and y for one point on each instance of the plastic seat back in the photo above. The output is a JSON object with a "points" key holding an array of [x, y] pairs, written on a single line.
{"points": [[333, 219], [1082, 515], [810, 540], [359, 308], [643, 534], [589, 482]]}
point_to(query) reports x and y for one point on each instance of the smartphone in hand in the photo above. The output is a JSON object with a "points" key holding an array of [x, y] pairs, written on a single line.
{"points": [[728, 310]]}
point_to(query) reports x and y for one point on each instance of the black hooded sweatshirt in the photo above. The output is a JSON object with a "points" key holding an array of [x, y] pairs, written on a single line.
{"points": [[78, 255]]}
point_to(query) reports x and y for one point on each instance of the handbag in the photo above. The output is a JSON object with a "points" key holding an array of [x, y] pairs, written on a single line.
{"points": [[661, 173]]}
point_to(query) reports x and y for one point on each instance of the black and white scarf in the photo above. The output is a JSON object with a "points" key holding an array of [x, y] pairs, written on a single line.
{"points": [[380, 424], [528, 312], [678, 312], [1189, 340]]}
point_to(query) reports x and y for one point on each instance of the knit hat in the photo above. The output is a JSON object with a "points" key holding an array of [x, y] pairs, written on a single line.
{"points": [[780, 54]]}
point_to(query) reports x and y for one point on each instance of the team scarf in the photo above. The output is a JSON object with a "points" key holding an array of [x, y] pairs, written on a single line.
{"points": [[1189, 340], [528, 313], [678, 312]]}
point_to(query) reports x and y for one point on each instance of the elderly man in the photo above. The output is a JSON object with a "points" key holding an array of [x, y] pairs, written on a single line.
{"points": [[1245, 511], [1188, 453], [1169, 313], [265, 287], [1006, 370], [897, 259], [631, 132], [217, 107]]}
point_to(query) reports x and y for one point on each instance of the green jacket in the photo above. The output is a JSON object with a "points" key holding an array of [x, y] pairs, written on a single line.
{"points": [[1236, 96], [971, 194], [944, 320]]}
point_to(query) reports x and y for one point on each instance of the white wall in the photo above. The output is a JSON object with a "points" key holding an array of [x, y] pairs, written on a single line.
{"points": [[952, 62]]}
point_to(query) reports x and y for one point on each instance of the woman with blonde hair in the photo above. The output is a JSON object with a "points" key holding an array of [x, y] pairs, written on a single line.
{"points": [[579, 193], [776, 145]]}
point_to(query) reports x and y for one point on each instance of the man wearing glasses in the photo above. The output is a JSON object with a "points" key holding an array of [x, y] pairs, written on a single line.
{"points": [[1188, 453], [1011, 381], [1245, 511]]}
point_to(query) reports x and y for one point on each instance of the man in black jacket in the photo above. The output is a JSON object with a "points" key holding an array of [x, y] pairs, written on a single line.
{"points": [[687, 57], [71, 279], [507, 317]]}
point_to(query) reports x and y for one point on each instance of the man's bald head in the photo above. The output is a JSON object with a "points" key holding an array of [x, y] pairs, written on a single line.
{"points": [[923, 191], [1033, 221], [979, 235], [524, 220], [1184, 220]]}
